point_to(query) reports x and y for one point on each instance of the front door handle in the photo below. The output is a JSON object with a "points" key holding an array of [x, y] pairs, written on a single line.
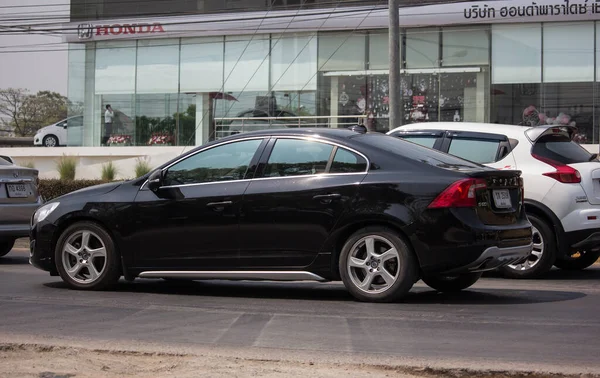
{"points": [[327, 197], [219, 205]]}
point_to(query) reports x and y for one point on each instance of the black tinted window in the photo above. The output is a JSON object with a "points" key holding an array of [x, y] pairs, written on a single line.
{"points": [[478, 150], [3, 161], [222, 163], [347, 162], [413, 151], [295, 157], [427, 141], [561, 149]]}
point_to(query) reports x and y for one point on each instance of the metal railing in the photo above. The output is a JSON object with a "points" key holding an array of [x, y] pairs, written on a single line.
{"points": [[226, 126]]}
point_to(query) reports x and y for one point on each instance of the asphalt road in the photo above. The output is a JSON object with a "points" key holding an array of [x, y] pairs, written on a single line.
{"points": [[551, 324]]}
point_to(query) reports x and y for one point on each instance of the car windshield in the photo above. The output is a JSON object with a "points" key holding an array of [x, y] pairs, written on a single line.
{"points": [[561, 149], [415, 151]]}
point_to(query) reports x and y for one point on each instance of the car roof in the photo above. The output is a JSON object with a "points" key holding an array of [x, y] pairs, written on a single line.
{"points": [[511, 131]]}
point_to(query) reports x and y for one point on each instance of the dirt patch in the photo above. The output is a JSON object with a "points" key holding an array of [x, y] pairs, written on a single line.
{"points": [[43, 361]]}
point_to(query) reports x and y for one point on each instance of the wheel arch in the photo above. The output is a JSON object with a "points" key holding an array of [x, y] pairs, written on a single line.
{"points": [[66, 223], [546, 214], [342, 235]]}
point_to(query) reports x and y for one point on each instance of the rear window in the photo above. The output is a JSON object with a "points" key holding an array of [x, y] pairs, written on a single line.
{"points": [[4, 162], [416, 152], [561, 149]]}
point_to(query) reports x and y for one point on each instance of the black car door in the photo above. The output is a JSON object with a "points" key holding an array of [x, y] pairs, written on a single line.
{"points": [[301, 189], [192, 222]]}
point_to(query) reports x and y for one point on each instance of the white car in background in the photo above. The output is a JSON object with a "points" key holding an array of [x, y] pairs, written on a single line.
{"points": [[56, 134], [561, 179]]}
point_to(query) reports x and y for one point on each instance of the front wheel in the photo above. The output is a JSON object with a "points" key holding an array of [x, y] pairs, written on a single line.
{"points": [[6, 246], [451, 283], [50, 141], [585, 260], [376, 265], [542, 256], [86, 257]]}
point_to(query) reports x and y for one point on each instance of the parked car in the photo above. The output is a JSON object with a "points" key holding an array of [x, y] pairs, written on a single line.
{"points": [[562, 184], [294, 204], [19, 198], [56, 134]]}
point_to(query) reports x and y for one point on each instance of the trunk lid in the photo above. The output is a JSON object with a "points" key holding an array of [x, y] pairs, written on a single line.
{"points": [[18, 185], [500, 200]]}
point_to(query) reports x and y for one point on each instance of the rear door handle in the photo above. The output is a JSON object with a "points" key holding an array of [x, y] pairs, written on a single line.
{"points": [[329, 197], [219, 204]]}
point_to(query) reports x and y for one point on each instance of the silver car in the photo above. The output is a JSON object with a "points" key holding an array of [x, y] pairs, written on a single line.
{"points": [[19, 198]]}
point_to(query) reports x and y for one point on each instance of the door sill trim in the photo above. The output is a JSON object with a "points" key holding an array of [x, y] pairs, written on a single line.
{"points": [[235, 275]]}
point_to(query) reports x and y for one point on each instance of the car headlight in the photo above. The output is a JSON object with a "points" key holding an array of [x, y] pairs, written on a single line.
{"points": [[43, 212]]}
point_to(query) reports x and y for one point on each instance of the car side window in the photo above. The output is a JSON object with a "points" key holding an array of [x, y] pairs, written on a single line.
{"points": [[480, 151], [297, 157], [222, 163], [426, 141], [347, 162]]}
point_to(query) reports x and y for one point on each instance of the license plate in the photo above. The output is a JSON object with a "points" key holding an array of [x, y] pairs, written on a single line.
{"points": [[18, 190], [502, 199]]}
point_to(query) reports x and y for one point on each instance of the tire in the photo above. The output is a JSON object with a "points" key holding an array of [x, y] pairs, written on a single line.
{"points": [[69, 253], [585, 260], [6, 246], [50, 141], [543, 256], [373, 253], [452, 283]]}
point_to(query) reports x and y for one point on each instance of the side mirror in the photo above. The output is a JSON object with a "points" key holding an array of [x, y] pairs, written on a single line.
{"points": [[155, 180]]}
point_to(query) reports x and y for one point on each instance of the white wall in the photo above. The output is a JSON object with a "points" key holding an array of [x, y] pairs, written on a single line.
{"points": [[91, 159]]}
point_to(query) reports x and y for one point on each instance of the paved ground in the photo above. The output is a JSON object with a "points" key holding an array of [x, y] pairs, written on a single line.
{"points": [[543, 325]]}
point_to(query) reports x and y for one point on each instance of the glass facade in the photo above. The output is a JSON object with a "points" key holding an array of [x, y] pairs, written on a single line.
{"points": [[186, 91]]}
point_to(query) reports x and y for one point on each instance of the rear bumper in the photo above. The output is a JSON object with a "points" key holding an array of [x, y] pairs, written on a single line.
{"points": [[583, 239], [495, 257]]}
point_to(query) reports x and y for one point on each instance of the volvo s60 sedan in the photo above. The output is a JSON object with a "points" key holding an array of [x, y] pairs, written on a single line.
{"points": [[19, 198], [375, 211]]}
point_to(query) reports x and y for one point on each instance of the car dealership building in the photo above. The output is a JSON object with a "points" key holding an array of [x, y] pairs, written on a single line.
{"points": [[184, 72]]}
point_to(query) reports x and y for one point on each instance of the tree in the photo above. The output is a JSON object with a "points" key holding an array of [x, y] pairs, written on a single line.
{"points": [[25, 113]]}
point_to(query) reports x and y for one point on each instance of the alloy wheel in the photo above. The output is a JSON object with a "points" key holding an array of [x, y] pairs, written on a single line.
{"points": [[50, 142], [536, 253], [373, 264], [84, 257]]}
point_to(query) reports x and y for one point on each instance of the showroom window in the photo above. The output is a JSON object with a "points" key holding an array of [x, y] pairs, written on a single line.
{"points": [[422, 48], [465, 46], [516, 93]]}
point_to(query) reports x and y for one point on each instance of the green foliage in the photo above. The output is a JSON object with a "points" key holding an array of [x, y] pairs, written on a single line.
{"points": [[28, 164], [142, 166], [50, 189], [109, 171], [66, 166], [25, 113]]}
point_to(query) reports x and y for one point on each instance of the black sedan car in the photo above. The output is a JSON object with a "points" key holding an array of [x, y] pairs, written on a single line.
{"points": [[377, 212]]}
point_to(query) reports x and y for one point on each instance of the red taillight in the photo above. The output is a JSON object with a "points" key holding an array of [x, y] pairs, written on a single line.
{"points": [[459, 194], [563, 173]]}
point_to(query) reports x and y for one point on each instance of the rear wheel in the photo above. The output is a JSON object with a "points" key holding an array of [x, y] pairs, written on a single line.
{"points": [[376, 265], [542, 256], [451, 283], [86, 257], [582, 261], [6, 246]]}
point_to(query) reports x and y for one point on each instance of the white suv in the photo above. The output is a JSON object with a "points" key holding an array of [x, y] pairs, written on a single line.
{"points": [[561, 178]]}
